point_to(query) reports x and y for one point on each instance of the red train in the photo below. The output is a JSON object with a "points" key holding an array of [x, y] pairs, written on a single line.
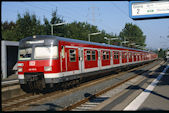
{"points": [[45, 60]]}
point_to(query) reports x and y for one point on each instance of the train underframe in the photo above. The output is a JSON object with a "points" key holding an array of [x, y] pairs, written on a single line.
{"points": [[36, 83]]}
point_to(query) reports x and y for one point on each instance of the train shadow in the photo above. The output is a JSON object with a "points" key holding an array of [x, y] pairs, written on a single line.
{"points": [[47, 106], [163, 81], [149, 73], [137, 87], [94, 99]]}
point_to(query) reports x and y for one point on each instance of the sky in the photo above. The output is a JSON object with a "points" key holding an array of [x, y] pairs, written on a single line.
{"points": [[110, 16]]}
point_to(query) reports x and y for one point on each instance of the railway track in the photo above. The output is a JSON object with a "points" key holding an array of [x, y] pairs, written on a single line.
{"points": [[22, 102], [93, 100]]}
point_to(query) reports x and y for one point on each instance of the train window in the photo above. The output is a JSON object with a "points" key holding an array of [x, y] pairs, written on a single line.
{"points": [[63, 52], [46, 52], [25, 54], [116, 55], [93, 55], [72, 55], [88, 55], [105, 55]]}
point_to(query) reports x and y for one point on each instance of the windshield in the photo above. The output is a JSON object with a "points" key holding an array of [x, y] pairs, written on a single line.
{"points": [[46, 52], [25, 54]]}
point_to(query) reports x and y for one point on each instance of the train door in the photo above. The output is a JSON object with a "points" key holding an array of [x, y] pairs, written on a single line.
{"points": [[138, 56], [141, 56], [130, 56], [63, 58], [124, 57], [72, 59], [105, 57], [91, 58], [81, 59], [134, 57], [116, 57]]}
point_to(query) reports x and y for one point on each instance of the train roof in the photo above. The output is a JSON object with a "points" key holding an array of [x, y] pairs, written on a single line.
{"points": [[74, 40]]}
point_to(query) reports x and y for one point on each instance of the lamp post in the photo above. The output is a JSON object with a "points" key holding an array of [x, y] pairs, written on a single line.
{"points": [[92, 34], [110, 39], [124, 42], [55, 25], [137, 46], [132, 44]]}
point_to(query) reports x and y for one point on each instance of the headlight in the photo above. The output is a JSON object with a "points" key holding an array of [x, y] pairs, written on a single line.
{"points": [[20, 69], [20, 64], [48, 68]]}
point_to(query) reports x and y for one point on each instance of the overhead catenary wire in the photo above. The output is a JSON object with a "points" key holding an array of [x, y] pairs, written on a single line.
{"points": [[68, 12]]}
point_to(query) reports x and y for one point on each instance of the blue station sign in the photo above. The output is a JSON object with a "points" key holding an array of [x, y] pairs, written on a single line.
{"points": [[148, 9]]}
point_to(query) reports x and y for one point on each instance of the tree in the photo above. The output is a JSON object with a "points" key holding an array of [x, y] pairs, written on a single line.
{"points": [[80, 30], [161, 53], [133, 34], [46, 27], [8, 30], [28, 25]]}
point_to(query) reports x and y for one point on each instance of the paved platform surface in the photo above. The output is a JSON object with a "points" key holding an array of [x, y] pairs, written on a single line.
{"points": [[159, 97], [11, 77], [151, 93]]}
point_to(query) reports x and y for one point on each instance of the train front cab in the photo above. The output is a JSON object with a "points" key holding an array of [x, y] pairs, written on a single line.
{"points": [[37, 61]]}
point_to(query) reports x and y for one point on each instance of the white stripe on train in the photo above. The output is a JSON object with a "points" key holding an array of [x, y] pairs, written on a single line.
{"points": [[58, 75]]}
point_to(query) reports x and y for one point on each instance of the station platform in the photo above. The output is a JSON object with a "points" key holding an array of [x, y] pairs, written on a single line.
{"points": [[11, 77], [151, 93], [159, 97]]}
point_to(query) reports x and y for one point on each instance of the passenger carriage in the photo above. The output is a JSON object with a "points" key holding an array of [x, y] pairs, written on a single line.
{"points": [[45, 59]]}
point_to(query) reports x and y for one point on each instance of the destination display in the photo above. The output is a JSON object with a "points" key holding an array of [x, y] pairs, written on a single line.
{"points": [[148, 9]]}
